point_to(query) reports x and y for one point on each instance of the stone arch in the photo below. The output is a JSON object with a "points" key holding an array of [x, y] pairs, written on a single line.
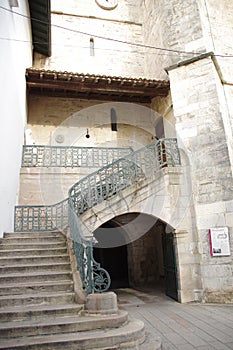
{"points": [[130, 247]]}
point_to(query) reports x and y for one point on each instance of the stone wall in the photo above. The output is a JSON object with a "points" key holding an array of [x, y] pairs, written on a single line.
{"points": [[164, 25], [145, 259], [200, 111]]}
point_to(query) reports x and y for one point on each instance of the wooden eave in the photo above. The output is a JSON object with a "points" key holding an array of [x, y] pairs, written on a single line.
{"points": [[94, 87], [40, 14]]}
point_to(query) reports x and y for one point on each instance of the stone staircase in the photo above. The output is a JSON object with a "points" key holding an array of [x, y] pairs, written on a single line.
{"points": [[37, 301]]}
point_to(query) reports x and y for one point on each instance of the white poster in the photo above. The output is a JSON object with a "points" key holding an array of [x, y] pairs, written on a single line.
{"points": [[219, 241]]}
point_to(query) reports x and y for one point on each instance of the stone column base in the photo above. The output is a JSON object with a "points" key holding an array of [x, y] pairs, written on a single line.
{"points": [[101, 303]]}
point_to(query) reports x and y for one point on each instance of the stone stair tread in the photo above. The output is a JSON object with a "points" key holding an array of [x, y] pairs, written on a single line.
{"points": [[85, 340], [33, 265], [32, 250], [8, 259], [31, 308], [34, 296], [38, 233], [5, 251], [60, 320], [32, 256], [32, 245], [36, 284], [9, 241], [36, 273]]}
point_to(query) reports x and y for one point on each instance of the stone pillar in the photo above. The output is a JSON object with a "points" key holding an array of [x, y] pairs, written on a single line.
{"points": [[201, 116]]}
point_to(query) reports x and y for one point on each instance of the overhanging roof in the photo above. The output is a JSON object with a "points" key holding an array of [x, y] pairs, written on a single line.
{"points": [[95, 87], [41, 26]]}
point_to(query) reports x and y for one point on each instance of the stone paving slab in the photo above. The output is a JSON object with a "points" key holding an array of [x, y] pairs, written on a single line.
{"points": [[192, 326]]}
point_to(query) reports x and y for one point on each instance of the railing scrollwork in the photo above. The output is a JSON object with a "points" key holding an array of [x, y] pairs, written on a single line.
{"points": [[88, 192]]}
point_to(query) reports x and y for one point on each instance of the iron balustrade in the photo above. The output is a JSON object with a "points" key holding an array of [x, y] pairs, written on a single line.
{"points": [[88, 192], [124, 172], [41, 217], [70, 156], [94, 277]]}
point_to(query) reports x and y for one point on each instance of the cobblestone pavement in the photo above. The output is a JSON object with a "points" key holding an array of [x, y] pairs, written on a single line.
{"points": [[189, 326]]}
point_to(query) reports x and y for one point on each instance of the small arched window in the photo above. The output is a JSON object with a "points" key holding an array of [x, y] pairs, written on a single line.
{"points": [[113, 119], [92, 48]]}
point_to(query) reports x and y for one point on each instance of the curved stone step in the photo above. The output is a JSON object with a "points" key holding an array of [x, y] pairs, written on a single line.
{"points": [[26, 312], [61, 325], [129, 335], [36, 287]]}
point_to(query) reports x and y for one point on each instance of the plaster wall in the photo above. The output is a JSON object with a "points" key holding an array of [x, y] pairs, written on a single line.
{"points": [[75, 23], [49, 117], [16, 55]]}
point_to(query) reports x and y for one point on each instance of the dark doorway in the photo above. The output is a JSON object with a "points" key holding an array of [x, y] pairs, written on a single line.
{"points": [[170, 270], [147, 263], [111, 255]]}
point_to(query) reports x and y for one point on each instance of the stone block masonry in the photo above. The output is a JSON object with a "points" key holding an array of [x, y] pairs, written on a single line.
{"points": [[200, 113]]}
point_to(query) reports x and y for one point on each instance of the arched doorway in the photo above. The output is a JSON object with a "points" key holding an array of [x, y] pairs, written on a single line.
{"points": [[138, 252]]}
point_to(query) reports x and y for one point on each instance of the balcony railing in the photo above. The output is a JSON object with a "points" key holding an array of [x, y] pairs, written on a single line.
{"points": [[56, 156], [88, 192]]}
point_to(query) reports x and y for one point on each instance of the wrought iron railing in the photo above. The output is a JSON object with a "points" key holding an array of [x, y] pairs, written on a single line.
{"points": [[88, 192], [41, 217], [124, 172], [70, 156], [93, 276]]}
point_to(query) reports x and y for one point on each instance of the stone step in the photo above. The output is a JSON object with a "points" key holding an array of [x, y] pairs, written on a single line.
{"points": [[40, 245], [30, 234], [40, 259], [27, 268], [36, 287], [35, 276], [27, 312], [36, 298], [129, 335], [32, 239], [31, 252], [59, 325]]}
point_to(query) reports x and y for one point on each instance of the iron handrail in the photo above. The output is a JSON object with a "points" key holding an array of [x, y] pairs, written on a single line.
{"points": [[88, 192], [70, 156], [113, 178]]}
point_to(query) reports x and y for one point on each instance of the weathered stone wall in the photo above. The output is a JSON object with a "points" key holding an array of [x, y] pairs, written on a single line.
{"points": [[201, 116], [173, 25], [145, 259]]}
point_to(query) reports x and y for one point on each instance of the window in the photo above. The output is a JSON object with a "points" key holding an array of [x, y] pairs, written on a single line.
{"points": [[113, 120], [92, 49]]}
